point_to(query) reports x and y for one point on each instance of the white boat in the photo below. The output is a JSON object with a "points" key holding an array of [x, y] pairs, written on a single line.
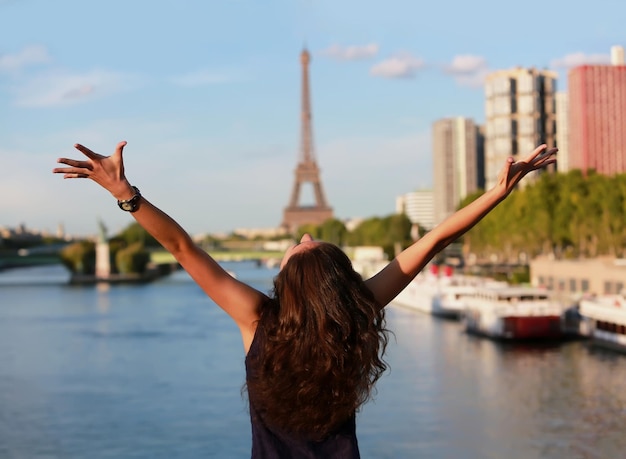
{"points": [[450, 300], [419, 293], [604, 318], [439, 294], [513, 313]]}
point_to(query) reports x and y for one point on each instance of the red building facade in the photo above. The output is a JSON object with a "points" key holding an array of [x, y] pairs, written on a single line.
{"points": [[597, 118]]}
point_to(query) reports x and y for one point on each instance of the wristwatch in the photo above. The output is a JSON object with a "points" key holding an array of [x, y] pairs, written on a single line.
{"points": [[132, 204]]}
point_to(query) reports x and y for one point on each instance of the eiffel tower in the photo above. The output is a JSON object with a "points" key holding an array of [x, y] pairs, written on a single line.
{"points": [[296, 215]]}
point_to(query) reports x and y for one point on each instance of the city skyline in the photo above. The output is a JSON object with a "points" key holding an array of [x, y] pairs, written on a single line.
{"points": [[208, 98]]}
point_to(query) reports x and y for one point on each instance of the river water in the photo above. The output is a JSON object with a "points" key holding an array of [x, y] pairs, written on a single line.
{"points": [[156, 371]]}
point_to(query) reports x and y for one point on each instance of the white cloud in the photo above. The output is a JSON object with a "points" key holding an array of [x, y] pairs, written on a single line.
{"points": [[576, 59], [350, 53], [30, 55], [400, 66], [468, 70], [59, 88], [47, 88], [466, 64]]}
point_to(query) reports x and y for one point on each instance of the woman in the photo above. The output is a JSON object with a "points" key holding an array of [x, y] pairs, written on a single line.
{"points": [[313, 347]]}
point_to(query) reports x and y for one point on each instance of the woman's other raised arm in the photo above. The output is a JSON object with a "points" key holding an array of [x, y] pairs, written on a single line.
{"points": [[239, 300], [396, 275]]}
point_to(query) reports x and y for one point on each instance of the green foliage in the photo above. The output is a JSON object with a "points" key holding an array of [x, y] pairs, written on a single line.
{"points": [[391, 232], [80, 257], [333, 231], [135, 233], [115, 245], [369, 232], [236, 237], [567, 215], [397, 234], [132, 259], [521, 276], [211, 243], [49, 240], [314, 230]]}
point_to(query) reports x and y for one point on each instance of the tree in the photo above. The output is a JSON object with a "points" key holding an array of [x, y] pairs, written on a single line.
{"points": [[391, 233], [80, 257], [132, 259], [333, 231], [135, 233], [368, 232], [310, 228]]}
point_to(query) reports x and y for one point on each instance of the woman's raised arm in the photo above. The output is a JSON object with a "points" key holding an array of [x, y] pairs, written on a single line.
{"points": [[239, 300], [396, 275]]}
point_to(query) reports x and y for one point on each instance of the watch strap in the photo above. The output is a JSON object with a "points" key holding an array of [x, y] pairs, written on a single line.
{"points": [[132, 204]]}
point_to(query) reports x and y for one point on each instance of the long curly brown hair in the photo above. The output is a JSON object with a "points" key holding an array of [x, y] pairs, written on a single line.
{"points": [[325, 337]]}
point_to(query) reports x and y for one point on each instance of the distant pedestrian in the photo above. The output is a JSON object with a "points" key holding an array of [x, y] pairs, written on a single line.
{"points": [[314, 346]]}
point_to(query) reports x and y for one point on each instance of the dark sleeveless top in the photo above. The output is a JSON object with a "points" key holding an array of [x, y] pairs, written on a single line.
{"points": [[272, 443]]}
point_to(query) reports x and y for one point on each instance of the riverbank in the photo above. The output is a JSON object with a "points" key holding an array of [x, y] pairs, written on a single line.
{"points": [[12, 261], [153, 272], [160, 257]]}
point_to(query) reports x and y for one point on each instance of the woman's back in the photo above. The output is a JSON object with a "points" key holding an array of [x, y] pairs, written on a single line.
{"points": [[274, 442]]}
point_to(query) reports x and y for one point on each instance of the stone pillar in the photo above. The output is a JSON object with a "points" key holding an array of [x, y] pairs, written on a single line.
{"points": [[103, 260]]}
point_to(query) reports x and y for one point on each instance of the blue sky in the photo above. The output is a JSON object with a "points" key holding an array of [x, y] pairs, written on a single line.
{"points": [[207, 94]]}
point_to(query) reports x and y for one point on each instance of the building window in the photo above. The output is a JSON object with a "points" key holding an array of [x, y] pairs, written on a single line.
{"points": [[607, 287], [572, 285], [584, 285]]}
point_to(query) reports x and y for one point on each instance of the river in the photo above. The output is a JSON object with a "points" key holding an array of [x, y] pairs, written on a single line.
{"points": [[156, 371]]}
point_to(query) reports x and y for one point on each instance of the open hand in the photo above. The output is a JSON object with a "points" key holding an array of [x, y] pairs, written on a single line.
{"points": [[514, 171], [106, 171]]}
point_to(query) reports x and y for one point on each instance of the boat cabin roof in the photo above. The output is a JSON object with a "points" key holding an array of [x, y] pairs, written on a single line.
{"points": [[514, 293]]}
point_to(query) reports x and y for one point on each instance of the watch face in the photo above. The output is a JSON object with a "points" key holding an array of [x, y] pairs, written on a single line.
{"points": [[132, 204]]}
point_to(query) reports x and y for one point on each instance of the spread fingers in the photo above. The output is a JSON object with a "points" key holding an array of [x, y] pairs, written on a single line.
{"points": [[87, 152], [75, 163], [71, 172]]}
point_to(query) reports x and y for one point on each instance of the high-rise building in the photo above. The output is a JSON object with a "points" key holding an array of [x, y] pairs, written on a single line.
{"points": [[597, 116], [520, 114], [457, 163], [418, 206], [562, 131], [617, 55]]}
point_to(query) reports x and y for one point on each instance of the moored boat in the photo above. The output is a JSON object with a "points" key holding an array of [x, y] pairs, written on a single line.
{"points": [[419, 293], [604, 320], [513, 313], [439, 292], [450, 300]]}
